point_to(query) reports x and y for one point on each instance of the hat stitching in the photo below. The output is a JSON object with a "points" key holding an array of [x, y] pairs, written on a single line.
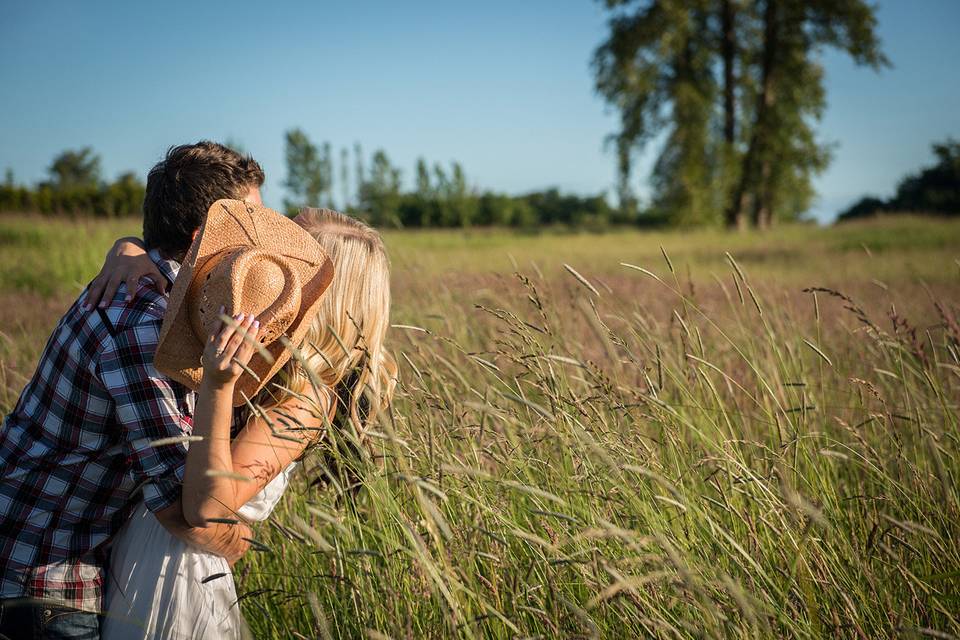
{"points": [[243, 227], [253, 220]]}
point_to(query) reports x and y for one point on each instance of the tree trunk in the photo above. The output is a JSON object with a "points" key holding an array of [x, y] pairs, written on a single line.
{"points": [[734, 215], [763, 206], [728, 47], [755, 175], [763, 211]]}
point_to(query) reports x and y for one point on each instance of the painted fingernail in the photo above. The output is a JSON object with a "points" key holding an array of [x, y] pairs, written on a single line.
{"points": [[222, 309], [256, 324]]}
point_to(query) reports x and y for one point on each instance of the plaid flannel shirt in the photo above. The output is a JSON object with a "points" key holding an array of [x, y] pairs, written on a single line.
{"points": [[76, 451]]}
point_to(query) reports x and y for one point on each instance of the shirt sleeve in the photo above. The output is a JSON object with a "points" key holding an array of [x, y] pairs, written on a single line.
{"points": [[147, 407]]}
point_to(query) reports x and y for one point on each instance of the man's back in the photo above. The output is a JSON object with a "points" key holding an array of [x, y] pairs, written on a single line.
{"points": [[76, 447]]}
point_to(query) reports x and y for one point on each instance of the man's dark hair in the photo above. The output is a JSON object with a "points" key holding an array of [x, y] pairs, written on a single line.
{"points": [[182, 186]]}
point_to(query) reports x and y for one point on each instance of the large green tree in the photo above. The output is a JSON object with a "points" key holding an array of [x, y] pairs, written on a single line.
{"points": [[732, 89]]}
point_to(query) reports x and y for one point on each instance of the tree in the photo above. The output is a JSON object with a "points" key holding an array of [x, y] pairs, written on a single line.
{"points": [[345, 178], [358, 170], [742, 150], [441, 187], [782, 153], [125, 195], [12, 196], [460, 201], [75, 169], [326, 175], [423, 179], [306, 177], [424, 208], [380, 195], [729, 38], [655, 68]]}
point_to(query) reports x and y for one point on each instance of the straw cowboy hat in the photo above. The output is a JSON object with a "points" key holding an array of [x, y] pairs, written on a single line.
{"points": [[248, 259]]}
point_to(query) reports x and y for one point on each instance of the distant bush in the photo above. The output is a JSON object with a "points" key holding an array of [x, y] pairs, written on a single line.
{"points": [[75, 188], [866, 207], [934, 189]]}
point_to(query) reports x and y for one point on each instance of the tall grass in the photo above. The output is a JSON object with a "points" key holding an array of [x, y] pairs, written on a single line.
{"points": [[661, 439], [589, 468]]}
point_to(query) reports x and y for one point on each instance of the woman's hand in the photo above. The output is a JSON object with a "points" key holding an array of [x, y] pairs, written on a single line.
{"points": [[126, 261], [229, 349]]}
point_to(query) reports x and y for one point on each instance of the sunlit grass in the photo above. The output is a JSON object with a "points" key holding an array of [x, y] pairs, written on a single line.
{"points": [[691, 446]]}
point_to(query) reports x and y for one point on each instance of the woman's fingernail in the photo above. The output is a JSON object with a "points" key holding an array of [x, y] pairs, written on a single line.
{"points": [[222, 309], [256, 324]]}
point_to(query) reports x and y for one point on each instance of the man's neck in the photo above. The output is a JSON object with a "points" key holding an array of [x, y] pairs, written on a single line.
{"points": [[178, 257]]}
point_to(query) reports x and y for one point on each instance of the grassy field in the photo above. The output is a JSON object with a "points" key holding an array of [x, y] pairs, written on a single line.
{"points": [[620, 435]]}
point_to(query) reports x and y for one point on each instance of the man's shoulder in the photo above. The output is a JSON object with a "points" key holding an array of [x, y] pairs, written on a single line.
{"points": [[147, 308]]}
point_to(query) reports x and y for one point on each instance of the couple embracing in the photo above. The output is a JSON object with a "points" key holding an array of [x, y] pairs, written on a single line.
{"points": [[158, 427]]}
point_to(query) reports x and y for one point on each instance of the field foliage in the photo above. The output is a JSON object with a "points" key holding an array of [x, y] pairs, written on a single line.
{"points": [[617, 435]]}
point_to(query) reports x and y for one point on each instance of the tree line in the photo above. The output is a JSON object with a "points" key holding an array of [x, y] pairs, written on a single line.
{"points": [[74, 186], [369, 188], [932, 190], [441, 195]]}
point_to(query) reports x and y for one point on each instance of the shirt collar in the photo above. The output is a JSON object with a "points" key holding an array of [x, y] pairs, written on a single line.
{"points": [[169, 268]]}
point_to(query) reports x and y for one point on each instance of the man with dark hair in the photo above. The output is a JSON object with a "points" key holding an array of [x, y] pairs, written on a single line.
{"points": [[182, 187], [80, 447]]}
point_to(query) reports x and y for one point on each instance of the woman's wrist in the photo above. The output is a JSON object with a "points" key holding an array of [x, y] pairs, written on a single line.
{"points": [[215, 389]]}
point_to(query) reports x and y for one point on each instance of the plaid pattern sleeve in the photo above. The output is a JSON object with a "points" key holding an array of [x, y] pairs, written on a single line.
{"points": [[147, 407]]}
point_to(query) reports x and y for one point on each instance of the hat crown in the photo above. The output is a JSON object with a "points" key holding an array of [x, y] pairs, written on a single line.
{"points": [[247, 280]]}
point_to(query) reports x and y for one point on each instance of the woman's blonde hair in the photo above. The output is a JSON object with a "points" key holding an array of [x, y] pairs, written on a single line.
{"points": [[343, 349]]}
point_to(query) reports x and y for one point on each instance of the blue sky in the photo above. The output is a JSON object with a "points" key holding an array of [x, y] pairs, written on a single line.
{"points": [[505, 87]]}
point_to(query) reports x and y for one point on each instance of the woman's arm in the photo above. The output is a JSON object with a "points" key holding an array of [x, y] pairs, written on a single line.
{"points": [[230, 541], [126, 261], [221, 476]]}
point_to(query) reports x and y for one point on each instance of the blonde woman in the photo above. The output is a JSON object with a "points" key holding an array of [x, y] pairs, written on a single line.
{"points": [[341, 377]]}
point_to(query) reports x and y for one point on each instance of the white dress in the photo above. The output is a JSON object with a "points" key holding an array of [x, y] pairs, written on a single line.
{"points": [[161, 587]]}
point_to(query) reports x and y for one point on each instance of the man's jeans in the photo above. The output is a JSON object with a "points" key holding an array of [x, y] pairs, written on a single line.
{"points": [[25, 619]]}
